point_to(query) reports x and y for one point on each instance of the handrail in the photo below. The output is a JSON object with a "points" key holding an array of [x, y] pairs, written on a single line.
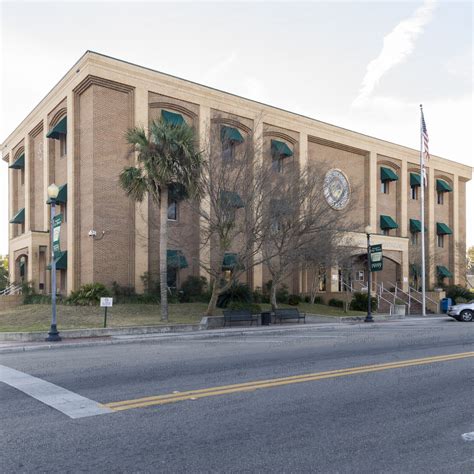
{"points": [[380, 296], [11, 289], [419, 292]]}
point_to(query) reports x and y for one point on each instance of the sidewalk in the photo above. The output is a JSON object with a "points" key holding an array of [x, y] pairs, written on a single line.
{"points": [[82, 338]]}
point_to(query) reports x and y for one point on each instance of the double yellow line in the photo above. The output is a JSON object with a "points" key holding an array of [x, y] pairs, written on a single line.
{"points": [[259, 384]]}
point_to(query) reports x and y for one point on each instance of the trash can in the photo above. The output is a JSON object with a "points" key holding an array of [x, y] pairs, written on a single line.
{"points": [[445, 304], [266, 318]]}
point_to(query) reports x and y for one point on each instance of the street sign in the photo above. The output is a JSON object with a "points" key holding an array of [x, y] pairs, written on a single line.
{"points": [[376, 258], [106, 302]]}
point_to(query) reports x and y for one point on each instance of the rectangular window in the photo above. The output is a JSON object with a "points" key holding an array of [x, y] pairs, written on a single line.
{"points": [[385, 187], [385, 231], [360, 275], [414, 193], [228, 151], [64, 211], [277, 164], [22, 176], [63, 145], [172, 210], [172, 277], [440, 197], [440, 241], [414, 238]]}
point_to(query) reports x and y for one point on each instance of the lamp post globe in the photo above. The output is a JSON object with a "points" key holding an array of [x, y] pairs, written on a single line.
{"points": [[53, 334], [53, 191]]}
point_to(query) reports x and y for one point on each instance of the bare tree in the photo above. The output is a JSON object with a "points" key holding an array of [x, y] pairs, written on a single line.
{"points": [[300, 225], [231, 209]]}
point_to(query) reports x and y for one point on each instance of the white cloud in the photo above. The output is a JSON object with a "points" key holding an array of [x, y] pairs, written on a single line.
{"points": [[397, 46]]}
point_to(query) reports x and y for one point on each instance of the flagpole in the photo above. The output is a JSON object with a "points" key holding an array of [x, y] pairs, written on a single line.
{"points": [[422, 196]]}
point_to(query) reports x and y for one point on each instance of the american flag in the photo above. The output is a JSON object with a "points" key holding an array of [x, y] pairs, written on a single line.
{"points": [[426, 147], [426, 140]]}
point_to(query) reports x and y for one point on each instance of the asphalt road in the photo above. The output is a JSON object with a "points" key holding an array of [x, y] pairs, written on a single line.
{"points": [[401, 418]]}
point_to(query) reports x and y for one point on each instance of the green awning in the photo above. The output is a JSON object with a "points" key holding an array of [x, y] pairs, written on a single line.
{"points": [[386, 174], [386, 222], [230, 134], [442, 186], [415, 225], [230, 199], [443, 272], [61, 261], [19, 217], [280, 149], [176, 259], [62, 195], [443, 229], [230, 261], [59, 129], [415, 179], [19, 163], [172, 118]]}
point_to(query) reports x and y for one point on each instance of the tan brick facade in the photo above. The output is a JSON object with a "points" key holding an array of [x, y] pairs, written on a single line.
{"points": [[101, 97]]}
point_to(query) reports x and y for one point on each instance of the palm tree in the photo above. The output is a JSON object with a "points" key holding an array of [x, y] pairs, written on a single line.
{"points": [[167, 157]]}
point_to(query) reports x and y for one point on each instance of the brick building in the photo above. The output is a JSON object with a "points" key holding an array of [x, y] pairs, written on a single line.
{"points": [[75, 138]]}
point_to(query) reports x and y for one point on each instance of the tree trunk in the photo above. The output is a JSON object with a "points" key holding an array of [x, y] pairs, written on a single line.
{"points": [[163, 252], [211, 307], [273, 299]]}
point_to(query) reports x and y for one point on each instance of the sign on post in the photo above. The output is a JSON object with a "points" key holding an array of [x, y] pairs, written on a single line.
{"points": [[376, 258], [106, 303], [57, 220]]}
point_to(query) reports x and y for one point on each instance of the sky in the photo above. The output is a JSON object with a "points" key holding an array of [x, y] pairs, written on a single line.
{"points": [[365, 66]]}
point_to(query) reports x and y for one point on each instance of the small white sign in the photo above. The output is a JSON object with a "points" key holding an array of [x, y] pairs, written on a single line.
{"points": [[106, 302], [334, 277], [405, 279]]}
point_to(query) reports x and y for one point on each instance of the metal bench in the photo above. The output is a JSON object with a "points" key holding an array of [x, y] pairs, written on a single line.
{"points": [[289, 313], [238, 315]]}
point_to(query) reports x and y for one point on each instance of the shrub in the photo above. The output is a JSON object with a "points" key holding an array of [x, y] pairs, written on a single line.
{"points": [[88, 295], [39, 299], [238, 292], [318, 300], [336, 303], [258, 296], [294, 300], [282, 294], [252, 307], [307, 299], [193, 289], [360, 300], [456, 291], [118, 290]]}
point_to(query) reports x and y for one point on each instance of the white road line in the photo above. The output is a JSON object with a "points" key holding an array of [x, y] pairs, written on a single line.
{"points": [[468, 436], [65, 401]]}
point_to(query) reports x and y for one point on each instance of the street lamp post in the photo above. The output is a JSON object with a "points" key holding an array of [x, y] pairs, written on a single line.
{"points": [[53, 334], [369, 318]]}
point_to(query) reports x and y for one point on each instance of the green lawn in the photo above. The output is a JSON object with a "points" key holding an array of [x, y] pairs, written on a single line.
{"points": [[37, 317]]}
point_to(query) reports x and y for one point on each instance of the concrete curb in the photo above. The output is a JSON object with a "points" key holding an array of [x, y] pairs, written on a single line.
{"points": [[101, 332]]}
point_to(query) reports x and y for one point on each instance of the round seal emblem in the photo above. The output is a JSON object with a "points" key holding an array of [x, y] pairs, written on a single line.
{"points": [[336, 189]]}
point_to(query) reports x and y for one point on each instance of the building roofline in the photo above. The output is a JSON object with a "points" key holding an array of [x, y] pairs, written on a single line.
{"points": [[91, 52]]}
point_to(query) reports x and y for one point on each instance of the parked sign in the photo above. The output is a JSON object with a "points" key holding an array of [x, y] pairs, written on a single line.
{"points": [[376, 258]]}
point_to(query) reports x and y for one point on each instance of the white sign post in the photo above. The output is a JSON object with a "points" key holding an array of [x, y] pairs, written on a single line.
{"points": [[106, 303]]}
